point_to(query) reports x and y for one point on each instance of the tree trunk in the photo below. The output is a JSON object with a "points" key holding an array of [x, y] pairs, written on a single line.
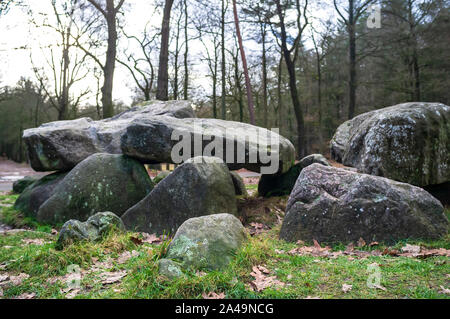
{"points": [[163, 71], [352, 62], [244, 64], [264, 76], [292, 86], [108, 70], [186, 51], [224, 114]]}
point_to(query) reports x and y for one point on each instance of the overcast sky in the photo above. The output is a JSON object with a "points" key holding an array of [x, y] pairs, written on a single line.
{"points": [[18, 38]]}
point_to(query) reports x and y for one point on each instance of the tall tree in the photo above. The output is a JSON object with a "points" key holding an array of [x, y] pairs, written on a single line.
{"points": [[223, 62], [163, 70], [355, 10], [109, 12], [65, 66], [248, 84], [290, 64]]}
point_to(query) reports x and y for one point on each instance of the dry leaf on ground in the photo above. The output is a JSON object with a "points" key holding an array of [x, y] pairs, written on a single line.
{"points": [[257, 228], [151, 238], [126, 255], [263, 280], [37, 241], [213, 295], [444, 290], [361, 242], [112, 277], [346, 288], [26, 296]]}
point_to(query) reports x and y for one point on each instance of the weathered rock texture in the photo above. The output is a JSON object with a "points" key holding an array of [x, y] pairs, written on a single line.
{"points": [[63, 144], [280, 185], [20, 185], [238, 182], [207, 242], [102, 182], [336, 205], [193, 189], [37, 193], [407, 142], [150, 140], [93, 229]]}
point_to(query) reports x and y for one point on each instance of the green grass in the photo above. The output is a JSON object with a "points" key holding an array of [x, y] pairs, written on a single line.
{"points": [[304, 275]]}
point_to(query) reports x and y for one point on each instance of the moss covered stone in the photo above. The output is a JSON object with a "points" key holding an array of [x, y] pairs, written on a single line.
{"points": [[408, 142], [201, 186], [102, 182], [20, 185], [334, 205], [207, 242], [33, 196], [94, 229]]}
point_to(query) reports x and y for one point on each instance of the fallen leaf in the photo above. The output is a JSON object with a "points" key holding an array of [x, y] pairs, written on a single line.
{"points": [[151, 238], [37, 241], [200, 274], [1, 292], [4, 278], [213, 295], [361, 242], [374, 243], [262, 280], [26, 296], [54, 232], [112, 277], [378, 287], [136, 240], [279, 251], [346, 288], [444, 290], [414, 249], [309, 297], [300, 243], [126, 255]]}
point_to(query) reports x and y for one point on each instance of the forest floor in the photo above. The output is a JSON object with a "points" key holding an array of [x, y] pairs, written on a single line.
{"points": [[124, 265], [11, 171]]}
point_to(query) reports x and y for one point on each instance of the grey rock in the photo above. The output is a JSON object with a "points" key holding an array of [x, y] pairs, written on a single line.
{"points": [[201, 186], [62, 145], [408, 142], [102, 182], [238, 182], [335, 205], [313, 158], [94, 229], [207, 242], [169, 268], [20, 185], [282, 184], [32, 197], [150, 141]]}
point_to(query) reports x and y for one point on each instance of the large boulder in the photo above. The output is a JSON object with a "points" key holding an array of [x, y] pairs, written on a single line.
{"points": [[337, 205], [102, 182], [32, 197], [408, 142], [20, 185], [201, 186], [239, 185], [282, 184], [207, 242], [153, 140], [94, 229], [62, 145]]}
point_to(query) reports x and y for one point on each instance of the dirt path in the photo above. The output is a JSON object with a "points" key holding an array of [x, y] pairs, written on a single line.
{"points": [[11, 171]]}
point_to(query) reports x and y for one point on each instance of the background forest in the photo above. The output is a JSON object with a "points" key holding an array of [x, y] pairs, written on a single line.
{"points": [[311, 64]]}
